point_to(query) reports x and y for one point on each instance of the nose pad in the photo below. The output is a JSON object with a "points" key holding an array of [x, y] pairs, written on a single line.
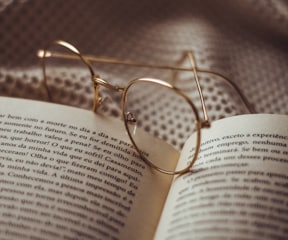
{"points": [[130, 118], [100, 100], [107, 106], [96, 103]]}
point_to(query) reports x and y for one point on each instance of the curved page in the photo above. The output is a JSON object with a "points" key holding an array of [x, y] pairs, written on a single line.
{"points": [[238, 187], [68, 173]]}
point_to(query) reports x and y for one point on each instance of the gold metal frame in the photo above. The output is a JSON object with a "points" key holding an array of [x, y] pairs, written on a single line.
{"points": [[98, 82], [198, 123]]}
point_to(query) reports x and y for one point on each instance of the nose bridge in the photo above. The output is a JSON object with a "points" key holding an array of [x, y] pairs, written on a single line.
{"points": [[99, 81]]}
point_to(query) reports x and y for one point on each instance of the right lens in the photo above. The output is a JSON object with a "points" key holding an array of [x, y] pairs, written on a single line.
{"points": [[161, 110]]}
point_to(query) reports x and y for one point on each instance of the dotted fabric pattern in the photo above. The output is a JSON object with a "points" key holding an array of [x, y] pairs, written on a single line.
{"points": [[245, 41]]}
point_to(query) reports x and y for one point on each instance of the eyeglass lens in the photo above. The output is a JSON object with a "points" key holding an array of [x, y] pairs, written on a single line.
{"points": [[161, 112]]}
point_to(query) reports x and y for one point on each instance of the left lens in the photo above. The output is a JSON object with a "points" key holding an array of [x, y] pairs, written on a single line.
{"points": [[67, 77]]}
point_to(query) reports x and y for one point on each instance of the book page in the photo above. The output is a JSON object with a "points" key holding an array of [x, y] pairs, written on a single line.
{"points": [[68, 173], [238, 188]]}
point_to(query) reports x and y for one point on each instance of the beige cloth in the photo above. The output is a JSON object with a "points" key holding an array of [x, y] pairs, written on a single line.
{"points": [[243, 40]]}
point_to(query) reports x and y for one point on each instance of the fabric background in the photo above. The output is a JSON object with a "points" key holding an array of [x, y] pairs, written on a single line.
{"points": [[243, 40]]}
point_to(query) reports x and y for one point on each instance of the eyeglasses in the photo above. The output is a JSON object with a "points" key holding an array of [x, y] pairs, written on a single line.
{"points": [[147, 99]]}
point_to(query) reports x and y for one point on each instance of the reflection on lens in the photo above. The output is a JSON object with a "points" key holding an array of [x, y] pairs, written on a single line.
{"points": [[160, 110]]}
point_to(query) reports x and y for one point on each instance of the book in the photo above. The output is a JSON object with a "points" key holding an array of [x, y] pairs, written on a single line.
{"points": [[68, 173]]}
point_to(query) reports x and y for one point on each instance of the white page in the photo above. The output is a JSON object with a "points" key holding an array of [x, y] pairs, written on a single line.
{"points": [[239, 187], [68, 173]]}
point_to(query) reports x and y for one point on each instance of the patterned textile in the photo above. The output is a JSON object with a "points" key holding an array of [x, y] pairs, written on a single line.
{"points": [[244, 40]]}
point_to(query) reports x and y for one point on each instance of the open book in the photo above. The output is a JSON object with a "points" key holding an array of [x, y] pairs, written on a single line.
{"points": [[67, 173]]}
